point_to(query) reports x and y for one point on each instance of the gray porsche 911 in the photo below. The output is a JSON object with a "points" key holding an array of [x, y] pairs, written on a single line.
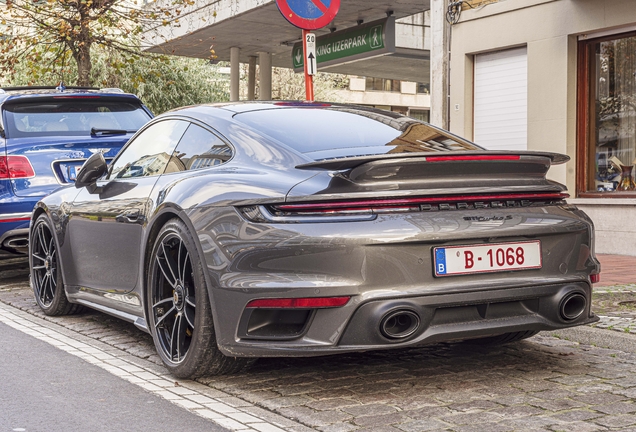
{"points": [[236, 231]]}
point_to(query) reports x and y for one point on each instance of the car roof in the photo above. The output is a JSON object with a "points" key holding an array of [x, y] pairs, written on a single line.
{"points": [[246, 106], [33, 92], [222, 109]]}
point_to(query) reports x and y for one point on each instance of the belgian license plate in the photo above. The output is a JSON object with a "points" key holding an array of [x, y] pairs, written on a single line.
{"points": [[72, 172], [487, 258]]}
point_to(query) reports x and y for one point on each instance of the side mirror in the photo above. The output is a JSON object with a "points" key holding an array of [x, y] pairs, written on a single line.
{"points": [[92, 170]]}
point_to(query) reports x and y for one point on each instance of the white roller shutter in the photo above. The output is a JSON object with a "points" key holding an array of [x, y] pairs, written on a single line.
{"points": [[501, 100]]}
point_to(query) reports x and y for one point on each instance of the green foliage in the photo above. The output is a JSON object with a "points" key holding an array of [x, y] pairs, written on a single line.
{"points": [[165, 82], [162, 82], [289, 85], [44, 34]]}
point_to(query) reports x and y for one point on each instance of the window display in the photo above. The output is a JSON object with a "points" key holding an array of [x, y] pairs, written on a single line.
{"points": [[610, 110]]}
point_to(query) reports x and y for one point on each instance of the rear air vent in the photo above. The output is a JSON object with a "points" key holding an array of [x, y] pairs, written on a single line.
{"points": [[368, 209]]}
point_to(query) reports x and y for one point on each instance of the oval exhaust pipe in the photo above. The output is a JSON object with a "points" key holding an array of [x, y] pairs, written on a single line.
{"points": [[17, 242], [572, 306], [399, 324]]}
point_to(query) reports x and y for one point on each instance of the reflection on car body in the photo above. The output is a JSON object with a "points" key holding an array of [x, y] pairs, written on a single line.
{"points": [[297, 229]]}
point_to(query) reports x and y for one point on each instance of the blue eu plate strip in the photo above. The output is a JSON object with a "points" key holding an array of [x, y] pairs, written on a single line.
{"points": [[440, 261]]}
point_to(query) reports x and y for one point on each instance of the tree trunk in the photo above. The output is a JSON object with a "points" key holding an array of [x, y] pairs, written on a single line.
{"points": [[84, 65]]}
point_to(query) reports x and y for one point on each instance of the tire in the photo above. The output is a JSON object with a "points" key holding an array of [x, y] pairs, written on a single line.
{"points": [[179, 311], [504, 338], [46, 275]]}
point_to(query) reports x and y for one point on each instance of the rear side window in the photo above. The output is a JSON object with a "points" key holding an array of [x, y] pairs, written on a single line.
{"points": [[198, 148], [75, 116]]}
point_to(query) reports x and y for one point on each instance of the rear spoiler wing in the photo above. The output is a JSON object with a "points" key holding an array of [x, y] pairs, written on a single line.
{"points": [[352, 162]]}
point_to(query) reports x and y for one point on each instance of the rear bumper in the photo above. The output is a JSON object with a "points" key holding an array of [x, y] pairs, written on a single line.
{"points": [[441, 317], [387, 265]]}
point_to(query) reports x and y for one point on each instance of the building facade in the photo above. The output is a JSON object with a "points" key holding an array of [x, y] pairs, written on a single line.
{"points": [[560, 76], [406, 97]]}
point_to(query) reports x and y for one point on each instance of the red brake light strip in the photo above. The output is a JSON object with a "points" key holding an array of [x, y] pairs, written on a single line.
{"points": [[76, 97], [471, 158], [299, 303]]}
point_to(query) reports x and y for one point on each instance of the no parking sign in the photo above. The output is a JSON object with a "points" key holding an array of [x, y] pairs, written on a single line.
{"points": [[309, 14]]}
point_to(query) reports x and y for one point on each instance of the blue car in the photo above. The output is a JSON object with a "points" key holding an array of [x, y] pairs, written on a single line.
{"points": [[46, 134]]}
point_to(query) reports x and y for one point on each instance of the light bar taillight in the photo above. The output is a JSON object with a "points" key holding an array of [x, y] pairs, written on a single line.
{"points": [[402, 202], [299, 303], [369, 209], [15, 167]]}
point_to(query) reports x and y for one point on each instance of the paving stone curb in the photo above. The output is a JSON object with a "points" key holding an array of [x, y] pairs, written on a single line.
{"points": [[190, 395], [550, 382]]}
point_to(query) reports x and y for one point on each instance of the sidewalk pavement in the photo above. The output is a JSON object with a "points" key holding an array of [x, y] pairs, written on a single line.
{"points": [[616, 270]]}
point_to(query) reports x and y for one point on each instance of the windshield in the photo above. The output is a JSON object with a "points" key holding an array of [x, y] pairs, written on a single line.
{"points": [[343, 132], [72, 117]]}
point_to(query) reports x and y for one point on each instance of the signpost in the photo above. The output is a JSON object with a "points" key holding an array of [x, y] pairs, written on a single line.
{"points": [[309, 15], [310, 53], [364, 41]]}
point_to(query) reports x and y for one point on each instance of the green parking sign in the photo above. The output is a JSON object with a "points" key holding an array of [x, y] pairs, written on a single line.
{"points": [[363, 41]]}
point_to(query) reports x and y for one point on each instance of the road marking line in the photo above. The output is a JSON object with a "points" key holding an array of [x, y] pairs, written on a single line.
{"points": [[184, 396]]}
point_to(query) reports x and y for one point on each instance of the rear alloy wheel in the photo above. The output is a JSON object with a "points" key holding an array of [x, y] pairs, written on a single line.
{"points": [[46, 276], [179, 313]]}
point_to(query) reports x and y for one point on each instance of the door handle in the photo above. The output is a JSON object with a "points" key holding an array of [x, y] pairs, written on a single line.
{"points": [[129, 216]]}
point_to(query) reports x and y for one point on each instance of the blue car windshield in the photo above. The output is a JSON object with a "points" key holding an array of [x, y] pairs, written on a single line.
{"points": [[72, 117]]}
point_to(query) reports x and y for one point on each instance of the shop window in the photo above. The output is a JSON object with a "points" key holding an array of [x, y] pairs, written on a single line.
{"points": [[607, 116], [382, 84]]}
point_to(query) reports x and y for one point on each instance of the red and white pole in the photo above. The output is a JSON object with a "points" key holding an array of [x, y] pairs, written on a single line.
{"points": [[309, 79]]}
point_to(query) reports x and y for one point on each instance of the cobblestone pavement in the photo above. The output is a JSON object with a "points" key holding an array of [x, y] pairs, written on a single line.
{"points": [[616, 305], [545, 383]]}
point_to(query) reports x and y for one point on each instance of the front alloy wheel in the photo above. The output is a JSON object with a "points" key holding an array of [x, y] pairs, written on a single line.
{"points": [[46, 276]]}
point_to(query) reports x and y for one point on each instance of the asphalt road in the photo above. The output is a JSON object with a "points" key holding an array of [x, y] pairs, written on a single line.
{"points": [[45, 389], [581, 379]]}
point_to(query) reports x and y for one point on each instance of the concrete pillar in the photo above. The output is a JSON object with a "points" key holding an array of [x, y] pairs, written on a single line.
{"points": [[440, 32], [251, 78], [235, 73], [265, 78]]}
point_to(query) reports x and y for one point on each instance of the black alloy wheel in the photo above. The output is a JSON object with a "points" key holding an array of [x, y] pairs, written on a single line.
{"points": [[179, 309], [174, 298], [46, 276]]}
